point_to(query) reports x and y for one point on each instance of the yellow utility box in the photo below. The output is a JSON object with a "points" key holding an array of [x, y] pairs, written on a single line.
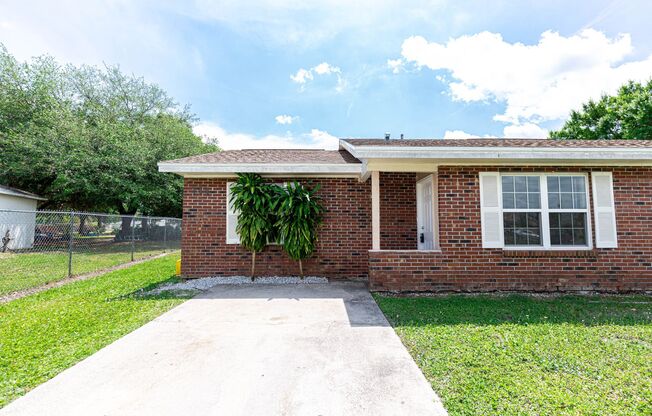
{"points": [[178, 271]]}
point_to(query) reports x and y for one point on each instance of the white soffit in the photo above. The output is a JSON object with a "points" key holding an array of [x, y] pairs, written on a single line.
{"points": [[538, 154]]}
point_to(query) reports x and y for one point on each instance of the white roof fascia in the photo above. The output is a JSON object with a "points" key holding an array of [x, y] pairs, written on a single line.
{"points": [[21, 195], [497, 153]]}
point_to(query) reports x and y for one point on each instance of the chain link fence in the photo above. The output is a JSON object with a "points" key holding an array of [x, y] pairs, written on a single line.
{"points": [[37, 247]]}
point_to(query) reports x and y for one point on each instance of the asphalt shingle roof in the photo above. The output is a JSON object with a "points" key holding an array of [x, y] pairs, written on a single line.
{"points": [[272, 156], [498, 142]]}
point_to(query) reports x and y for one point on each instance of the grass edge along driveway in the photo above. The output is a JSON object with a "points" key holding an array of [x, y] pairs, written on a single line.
{"points": [[517, 354], [21, 271], [43, 334]]}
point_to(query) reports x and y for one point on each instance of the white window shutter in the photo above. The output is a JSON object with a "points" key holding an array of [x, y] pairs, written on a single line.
{"points": [[232, 236], [490, 207], [604, 210]]}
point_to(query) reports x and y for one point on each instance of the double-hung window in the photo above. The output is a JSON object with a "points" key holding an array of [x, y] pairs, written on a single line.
{"points": [[544, 211], [547, 210]]}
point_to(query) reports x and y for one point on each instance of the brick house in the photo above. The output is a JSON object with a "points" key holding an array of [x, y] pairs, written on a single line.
{"points": [[443, 215]]}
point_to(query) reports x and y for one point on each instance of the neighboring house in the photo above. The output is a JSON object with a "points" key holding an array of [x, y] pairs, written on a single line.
{"points": [[21, 220], [444, 215]]}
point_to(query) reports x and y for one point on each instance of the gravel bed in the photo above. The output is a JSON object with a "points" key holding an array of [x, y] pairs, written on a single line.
{"points": [[209, 282]]}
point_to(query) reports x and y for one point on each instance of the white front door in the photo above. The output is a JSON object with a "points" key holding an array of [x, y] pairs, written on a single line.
{"points": [[425, 234]]}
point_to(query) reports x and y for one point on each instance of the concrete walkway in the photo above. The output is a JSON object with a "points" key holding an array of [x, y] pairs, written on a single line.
{"points": [[248, 350]]}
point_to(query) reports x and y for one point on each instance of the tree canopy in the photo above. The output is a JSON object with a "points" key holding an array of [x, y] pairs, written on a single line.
{"points": [[626, 115], [89, 138]]}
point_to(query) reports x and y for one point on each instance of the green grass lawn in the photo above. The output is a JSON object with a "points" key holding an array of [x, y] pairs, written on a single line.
{"points": [[511, 355], [20, 271], [43, 334]]}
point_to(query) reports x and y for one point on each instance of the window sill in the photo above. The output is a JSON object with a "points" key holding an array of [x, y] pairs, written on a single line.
{"points": [[550, 253], [405, 251]]}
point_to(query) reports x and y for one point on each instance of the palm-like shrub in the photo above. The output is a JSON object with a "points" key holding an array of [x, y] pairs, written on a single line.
{"points": [[298, 216], [255, 202]]}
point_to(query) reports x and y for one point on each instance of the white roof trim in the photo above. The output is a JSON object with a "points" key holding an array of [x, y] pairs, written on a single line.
{"points": [[498, 153], [10, 192], [198, 168]]}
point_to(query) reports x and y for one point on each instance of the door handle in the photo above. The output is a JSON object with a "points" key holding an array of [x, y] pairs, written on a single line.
{"points": [[422, 238]]}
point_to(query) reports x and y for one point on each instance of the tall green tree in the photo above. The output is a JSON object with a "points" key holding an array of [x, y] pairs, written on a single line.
{"points": [[255, 201], [626, 115], [89, 138], [299, 215]]}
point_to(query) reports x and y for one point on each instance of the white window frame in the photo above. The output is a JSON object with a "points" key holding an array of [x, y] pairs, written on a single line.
{"points": [[229, 212], [544, 210]]}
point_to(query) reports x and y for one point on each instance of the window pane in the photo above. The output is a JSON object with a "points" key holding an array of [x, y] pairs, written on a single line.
{"points": [[508, 184], [553, 200], [508, 200], [533, 184], [522, 228], [508, 219], [579, 236], [567, 236], [520, 219], [521, 200], [520, 184], [565, 220], [578, 184], [534, 200], [580, 200], [533, 220], [566, 192], [566, 200], [568, 228], [565, 184], [579, 220], [509, 237]]}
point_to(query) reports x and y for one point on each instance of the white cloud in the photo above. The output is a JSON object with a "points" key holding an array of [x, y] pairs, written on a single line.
{"points": [[302, 75], [396, 65], [315, 139], [285, 119], [537, 83], [461, 134], [325, 68], [525, 131]]}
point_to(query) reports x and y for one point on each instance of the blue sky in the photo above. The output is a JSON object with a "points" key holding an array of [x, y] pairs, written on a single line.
{"points": [[292, 73]]}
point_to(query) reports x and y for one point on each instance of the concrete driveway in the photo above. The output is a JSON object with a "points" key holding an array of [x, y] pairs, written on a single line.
{"points": [[248, 350]]}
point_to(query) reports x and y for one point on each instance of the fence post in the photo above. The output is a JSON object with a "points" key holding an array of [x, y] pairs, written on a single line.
{"points": [[133, 229], [70, 242], [165, 234]]}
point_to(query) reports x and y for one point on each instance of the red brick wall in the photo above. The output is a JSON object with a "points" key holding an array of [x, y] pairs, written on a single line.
{"points": [[344, 237], [398, 211], [463, 265]]}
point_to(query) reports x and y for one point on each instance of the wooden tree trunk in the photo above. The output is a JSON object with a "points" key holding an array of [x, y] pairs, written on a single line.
{"points": [[253, 265], [301, 268]]}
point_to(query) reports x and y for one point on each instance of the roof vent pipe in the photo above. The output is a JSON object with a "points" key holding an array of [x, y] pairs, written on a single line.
{"points": [[401, 136], [387, 136]]}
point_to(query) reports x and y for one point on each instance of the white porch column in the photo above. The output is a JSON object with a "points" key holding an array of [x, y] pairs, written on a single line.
{"points": [[375, 210]]}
